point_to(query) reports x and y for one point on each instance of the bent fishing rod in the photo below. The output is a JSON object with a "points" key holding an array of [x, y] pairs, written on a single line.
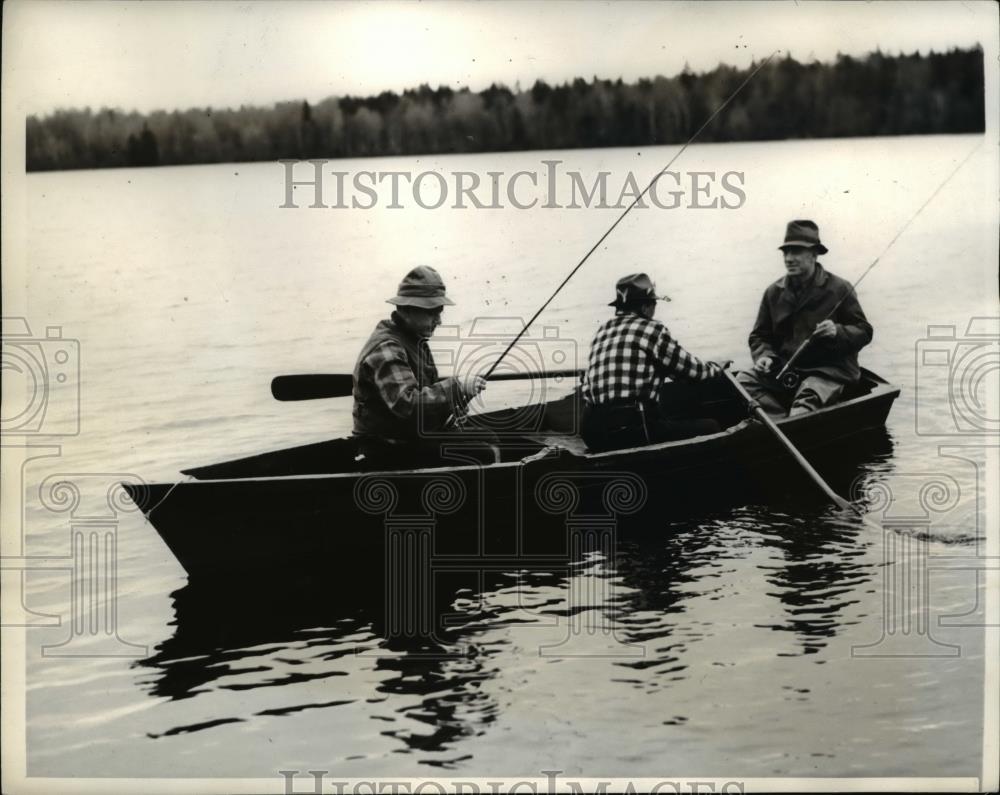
{"points": [[786, 377], [620, 218]]}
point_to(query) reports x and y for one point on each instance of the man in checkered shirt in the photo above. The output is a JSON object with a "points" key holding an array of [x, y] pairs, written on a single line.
{"points": [[630, 357]]}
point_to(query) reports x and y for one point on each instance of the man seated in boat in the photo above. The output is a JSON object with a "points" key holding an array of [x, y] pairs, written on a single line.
{"points": [[401, 405], [630, 357], [807, 303]]}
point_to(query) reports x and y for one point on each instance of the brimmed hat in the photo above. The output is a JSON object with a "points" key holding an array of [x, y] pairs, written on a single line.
{"points": [[636, 287], [421, 287], [803, 233]]}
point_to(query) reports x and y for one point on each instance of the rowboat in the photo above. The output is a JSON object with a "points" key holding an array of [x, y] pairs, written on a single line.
{"points": [[307, 509]]}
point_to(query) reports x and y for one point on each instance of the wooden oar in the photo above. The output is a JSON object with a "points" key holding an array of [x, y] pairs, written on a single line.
{"points": [[780, 436], [330, 385], [312, 386]]}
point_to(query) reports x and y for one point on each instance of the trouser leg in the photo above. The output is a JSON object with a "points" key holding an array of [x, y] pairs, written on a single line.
{"points": [[768, 394], [612, 428], [815, 392]]}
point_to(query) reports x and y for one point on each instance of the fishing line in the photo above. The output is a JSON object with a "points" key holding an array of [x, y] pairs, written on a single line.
{"points": [[627, 211], [784, 370]]}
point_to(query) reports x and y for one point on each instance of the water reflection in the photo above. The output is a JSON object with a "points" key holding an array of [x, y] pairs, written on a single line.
{"points": [[270, 646], [819, 563], [658, 577], [450, 703], [821, 556], [222, 635], [814, 560], [691, 577]]}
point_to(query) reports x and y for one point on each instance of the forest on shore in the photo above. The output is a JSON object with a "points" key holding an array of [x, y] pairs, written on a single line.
{"points": [[875, 95]]}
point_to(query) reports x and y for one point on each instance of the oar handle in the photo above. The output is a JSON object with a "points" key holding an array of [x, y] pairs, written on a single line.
{"points": [[525, 376]]}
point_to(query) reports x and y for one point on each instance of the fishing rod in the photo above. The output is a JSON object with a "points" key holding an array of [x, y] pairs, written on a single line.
{"points": [[627, 210], [621, 217], [789, 379]]}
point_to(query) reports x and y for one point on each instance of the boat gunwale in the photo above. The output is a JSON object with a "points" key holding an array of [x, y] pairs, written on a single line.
{"points": [[880, 388]]}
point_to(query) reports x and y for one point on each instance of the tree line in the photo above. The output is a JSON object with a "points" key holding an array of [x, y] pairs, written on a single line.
{"points": [[875, 95]]}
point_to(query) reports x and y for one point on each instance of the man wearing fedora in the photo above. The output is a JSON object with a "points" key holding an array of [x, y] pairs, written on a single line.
{"points": [[401, 405], [807, 302], [630, 357]]}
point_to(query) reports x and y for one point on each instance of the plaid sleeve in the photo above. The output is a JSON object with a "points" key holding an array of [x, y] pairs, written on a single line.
{"points": [[398, 387], [677, 363]]}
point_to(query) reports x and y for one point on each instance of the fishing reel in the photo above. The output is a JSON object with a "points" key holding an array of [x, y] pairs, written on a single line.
{"points": [[782, 375], [790, 380]]}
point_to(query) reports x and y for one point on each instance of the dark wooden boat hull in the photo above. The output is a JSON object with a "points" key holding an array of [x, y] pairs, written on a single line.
{"points": [[287, 513]]}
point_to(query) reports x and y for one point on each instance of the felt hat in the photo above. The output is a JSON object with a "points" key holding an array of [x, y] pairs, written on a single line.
{"points": [[634, 288], [803, 233], [421, 287]]}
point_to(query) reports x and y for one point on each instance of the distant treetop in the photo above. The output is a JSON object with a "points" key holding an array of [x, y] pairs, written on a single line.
{"points": [[875, 95]]}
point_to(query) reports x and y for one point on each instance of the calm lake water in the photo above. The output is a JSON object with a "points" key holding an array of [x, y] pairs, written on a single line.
{"points": [[749, 638]]}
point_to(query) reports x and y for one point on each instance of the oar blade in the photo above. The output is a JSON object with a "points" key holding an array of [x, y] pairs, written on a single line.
{"points": [[312, 386], [543, 374]]}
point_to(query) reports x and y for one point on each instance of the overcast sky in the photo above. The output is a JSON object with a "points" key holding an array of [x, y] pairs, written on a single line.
{"points": [[147, 55]]}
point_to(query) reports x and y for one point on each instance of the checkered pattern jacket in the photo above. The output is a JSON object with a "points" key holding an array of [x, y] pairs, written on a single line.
{"points": [[397, 390], [631, 355]]}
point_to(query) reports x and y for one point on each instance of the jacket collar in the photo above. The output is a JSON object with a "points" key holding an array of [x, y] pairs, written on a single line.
{"points": [[397, 323], [820, 278], [626, 312]]}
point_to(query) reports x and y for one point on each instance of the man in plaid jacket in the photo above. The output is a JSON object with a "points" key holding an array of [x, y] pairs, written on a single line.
{"points": [[401, 404], [630, 357]]}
